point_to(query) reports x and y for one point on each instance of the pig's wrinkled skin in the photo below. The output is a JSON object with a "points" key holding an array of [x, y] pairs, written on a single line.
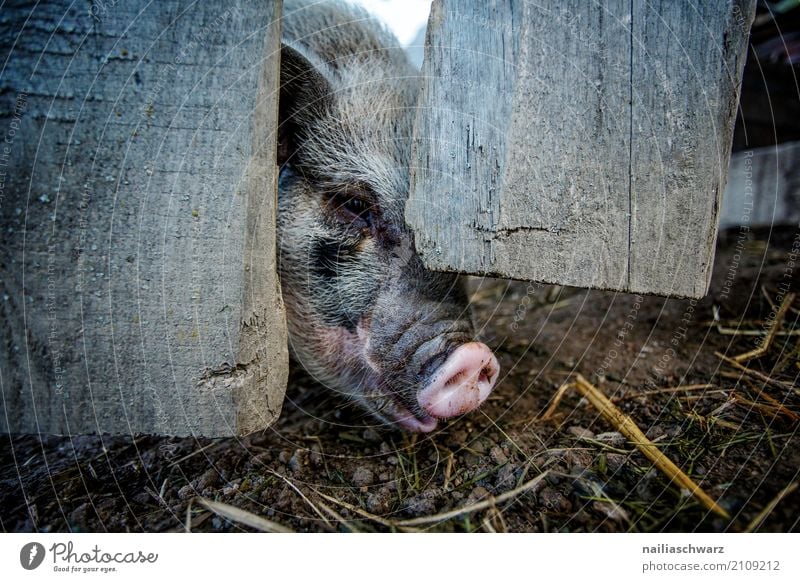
{"points": [[365, 317]]}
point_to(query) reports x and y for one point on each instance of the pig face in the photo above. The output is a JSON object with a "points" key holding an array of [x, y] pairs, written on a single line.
{"points": [[366, 318]]}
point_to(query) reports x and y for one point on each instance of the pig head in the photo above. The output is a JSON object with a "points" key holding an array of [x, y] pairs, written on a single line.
{"points": [[366, 318]]}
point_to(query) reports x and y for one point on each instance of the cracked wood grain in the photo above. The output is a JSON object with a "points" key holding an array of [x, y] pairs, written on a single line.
{"points": [[139, 214], [576, 143]]}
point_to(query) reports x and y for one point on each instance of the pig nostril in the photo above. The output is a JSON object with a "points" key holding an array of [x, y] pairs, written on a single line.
{"points": [[462, 382], [455, 378], [489, 371]]}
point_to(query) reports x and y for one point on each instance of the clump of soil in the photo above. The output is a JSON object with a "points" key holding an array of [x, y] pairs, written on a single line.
{"points": [[325, 467]]}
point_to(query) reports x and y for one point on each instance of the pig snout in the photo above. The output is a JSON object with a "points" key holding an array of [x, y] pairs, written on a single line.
{"points": [[456, 385], [461, 383], [422, 343]]}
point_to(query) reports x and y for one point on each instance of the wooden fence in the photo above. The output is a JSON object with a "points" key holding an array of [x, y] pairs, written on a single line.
{"points": [[570, 142]]}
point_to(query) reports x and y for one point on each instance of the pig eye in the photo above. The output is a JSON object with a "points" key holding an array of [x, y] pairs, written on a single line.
{"points": [[353, 210], [356, 206]]}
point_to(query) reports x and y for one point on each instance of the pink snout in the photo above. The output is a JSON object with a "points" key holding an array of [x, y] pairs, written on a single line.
{"points": [[462, 383]]}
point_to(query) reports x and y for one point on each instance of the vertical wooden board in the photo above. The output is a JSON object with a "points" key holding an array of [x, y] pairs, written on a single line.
{"points": [[523, 162], [133, 184], [459, 146], [517, 101], [763, 187], [687, 63], [563, 216], [260, 382]]}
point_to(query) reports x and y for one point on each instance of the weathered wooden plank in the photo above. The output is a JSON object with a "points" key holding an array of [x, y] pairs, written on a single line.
{"points": [[138, 266], [549, 135], [687, 64]]}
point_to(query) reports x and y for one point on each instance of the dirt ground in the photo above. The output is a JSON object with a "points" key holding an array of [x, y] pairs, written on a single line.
{"points": [[323, 467]]}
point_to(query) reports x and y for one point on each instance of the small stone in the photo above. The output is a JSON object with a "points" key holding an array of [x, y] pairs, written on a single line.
{"points": [[498, 456], [506, 477], [186, 492], [458, 436], [615, 461], [207, 480], [371, 436], [378, 502], [577, 458], [422, 504], [298, 460], [554, 500], [363, 477], [655, 432], [478, 446], [230, 489], [316, 457], [580, 432], [284, 501]]}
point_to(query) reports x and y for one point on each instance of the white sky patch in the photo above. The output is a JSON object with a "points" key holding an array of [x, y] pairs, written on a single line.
{"points": [[403, 17]]}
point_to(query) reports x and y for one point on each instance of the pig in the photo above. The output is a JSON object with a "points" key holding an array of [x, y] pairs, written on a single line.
{"points": [[365, 317]]}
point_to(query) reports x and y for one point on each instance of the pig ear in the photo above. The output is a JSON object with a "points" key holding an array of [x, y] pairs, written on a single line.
{"points": [[305, 97]]}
